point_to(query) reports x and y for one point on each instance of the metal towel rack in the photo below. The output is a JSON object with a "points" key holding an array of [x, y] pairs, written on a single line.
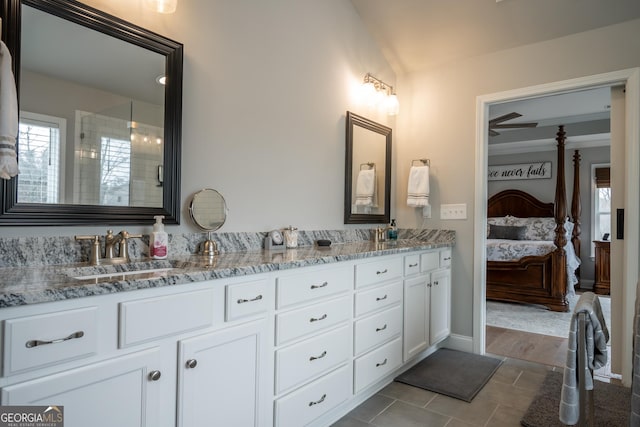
{"points": [[371, 165], [425, 162]]}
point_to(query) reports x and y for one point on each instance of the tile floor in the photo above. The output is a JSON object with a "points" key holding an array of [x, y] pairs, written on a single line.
{"points": [[501, 403]]}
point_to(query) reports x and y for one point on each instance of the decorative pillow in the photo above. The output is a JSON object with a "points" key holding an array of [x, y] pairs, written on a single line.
{"points": [[507, 232], [498, 220], [537, 228]]}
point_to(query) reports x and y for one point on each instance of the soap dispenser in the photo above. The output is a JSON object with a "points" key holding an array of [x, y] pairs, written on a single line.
{"points": [[393, 231], [159, 241]]}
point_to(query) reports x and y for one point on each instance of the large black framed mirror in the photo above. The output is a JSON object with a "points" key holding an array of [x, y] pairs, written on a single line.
{"points": [[367, 190], [110, 93]]}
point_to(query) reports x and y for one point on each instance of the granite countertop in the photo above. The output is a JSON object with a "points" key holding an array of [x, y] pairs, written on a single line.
{"points": [[31, 285]]}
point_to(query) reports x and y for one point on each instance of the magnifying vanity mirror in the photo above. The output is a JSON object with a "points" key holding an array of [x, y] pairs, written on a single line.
{"points": [[208, 210], [100, 117], [368, 171]]}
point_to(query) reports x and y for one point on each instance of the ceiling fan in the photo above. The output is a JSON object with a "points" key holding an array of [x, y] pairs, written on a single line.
{"points": [[497, 123]]}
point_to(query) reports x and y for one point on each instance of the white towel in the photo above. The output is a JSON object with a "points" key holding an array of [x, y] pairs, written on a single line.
{"points": [[8, 116], [365, 187], [418, 188]]}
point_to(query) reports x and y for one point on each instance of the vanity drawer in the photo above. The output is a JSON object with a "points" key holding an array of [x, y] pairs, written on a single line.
{"points": [[429, 261], [411, 264], [310, 402], [445, 258], [297, 323], [151, 318], [246, 299], [298, 288], [371, 331], [382, 296], [299, 362], [49, 339], [376, 364], [378, 271]]}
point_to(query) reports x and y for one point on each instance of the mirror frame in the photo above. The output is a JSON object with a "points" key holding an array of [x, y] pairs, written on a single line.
{"points": [[13, 213], [355, 218]]}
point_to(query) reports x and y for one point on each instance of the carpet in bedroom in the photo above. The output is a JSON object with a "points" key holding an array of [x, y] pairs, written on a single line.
{"points": [[537, 319]]}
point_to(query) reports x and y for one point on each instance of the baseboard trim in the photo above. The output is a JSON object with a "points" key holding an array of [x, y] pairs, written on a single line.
{"points": [[459, 342]]}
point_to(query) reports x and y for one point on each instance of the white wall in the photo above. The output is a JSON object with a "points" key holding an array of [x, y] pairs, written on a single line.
{"points": [[266, 89], [439, 123]]}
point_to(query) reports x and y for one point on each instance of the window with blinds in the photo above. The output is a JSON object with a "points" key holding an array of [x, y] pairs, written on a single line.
{"points": [[39, 161], [601, 196]]}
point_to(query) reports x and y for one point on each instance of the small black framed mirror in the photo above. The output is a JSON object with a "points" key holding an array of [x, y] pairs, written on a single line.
{"points": [[367, 191], [116, 155]]}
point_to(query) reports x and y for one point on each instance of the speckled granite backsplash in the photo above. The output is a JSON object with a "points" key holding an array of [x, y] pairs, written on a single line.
{"points": [[39, 251]]}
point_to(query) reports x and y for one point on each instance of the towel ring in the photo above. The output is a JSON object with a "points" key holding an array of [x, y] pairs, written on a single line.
{"points": [[371, 165], [425, 162]]}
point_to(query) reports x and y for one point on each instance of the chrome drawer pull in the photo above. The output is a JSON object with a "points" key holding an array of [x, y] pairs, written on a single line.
{"points": [[428, 285], [154, 375], [382, 363], [446, 259], [381, 298], [435, 283], [312, 358], [382, 272], [324, 396], [35, 343], [413, 265], [381, 329], [191, 363], [319, 286], [242, 301], [317, 319]]}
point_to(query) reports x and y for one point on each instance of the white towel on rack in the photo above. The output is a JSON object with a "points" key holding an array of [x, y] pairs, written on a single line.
{"points": [[418, 188], [8, 116], [365, 187]]}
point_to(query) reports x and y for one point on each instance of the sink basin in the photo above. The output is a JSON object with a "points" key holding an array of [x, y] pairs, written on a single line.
{"points": [[121, 275]]}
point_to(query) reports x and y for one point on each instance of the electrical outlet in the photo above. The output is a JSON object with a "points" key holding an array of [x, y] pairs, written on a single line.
{"points": [[455, 211]]}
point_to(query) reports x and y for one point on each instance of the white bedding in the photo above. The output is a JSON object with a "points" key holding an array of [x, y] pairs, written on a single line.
{"points": [[513, 250]]}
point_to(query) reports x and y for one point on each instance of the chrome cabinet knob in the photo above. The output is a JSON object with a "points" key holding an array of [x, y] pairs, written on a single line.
{"points": [[192, 363], [155, 375]]}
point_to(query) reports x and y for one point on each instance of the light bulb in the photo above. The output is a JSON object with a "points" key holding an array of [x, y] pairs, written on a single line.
{"points": [[393, 106], [162, 6]]}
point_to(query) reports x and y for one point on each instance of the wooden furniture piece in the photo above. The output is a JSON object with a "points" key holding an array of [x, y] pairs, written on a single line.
{"points": [[603, 270], [537, 279]]}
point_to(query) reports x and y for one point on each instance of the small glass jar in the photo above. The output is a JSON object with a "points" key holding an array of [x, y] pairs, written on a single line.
{"points": [[291, 237]]}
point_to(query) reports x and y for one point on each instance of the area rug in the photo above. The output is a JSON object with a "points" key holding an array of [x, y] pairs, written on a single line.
{"points": [[612, 404], [453, 373], [537, 319]]}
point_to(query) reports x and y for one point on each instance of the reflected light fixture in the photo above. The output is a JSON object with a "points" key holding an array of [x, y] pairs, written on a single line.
{"points": [[375, 92], [162, 6]]}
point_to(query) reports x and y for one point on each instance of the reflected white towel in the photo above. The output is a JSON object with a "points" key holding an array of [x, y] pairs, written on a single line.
{"points": [[418, 188], [365, 187], [8, 116]]}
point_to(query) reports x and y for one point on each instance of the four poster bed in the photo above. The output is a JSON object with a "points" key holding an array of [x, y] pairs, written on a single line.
{"points": [[533, 247]]}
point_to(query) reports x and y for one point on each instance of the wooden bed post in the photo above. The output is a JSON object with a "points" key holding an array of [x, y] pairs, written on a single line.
{"points": [[559, 255], [576, 210]]}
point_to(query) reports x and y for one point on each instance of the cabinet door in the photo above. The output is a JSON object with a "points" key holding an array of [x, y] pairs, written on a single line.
{"points": [[222, 378], [117, 392], [440, 320], [416, 315]]}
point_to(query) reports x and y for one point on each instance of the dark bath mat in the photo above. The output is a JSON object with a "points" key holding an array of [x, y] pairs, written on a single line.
{"points": [[612, 404], [453, 373]]}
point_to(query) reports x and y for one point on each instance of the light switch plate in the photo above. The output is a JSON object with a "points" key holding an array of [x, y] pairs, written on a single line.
{"points": [[453, 211]]}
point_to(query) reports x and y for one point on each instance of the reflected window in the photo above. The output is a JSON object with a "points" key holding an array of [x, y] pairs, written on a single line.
{"points": [[115, 171], [40, 143]]}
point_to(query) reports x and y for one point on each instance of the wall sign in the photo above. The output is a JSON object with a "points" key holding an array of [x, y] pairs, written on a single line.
{"points": [[536, 170]]}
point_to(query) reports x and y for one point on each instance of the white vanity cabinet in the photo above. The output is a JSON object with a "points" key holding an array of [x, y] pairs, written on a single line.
{"points": [[427, 301], [313, 345], [189, 355]]}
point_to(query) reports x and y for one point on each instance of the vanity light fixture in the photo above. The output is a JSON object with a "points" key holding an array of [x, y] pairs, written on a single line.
{"points": [[161, 80], [376, 92], [162, 6]]}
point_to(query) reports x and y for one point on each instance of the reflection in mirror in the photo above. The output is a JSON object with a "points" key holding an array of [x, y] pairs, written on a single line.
{"points": [[97, 128], [367, 171], [208, 211]]}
